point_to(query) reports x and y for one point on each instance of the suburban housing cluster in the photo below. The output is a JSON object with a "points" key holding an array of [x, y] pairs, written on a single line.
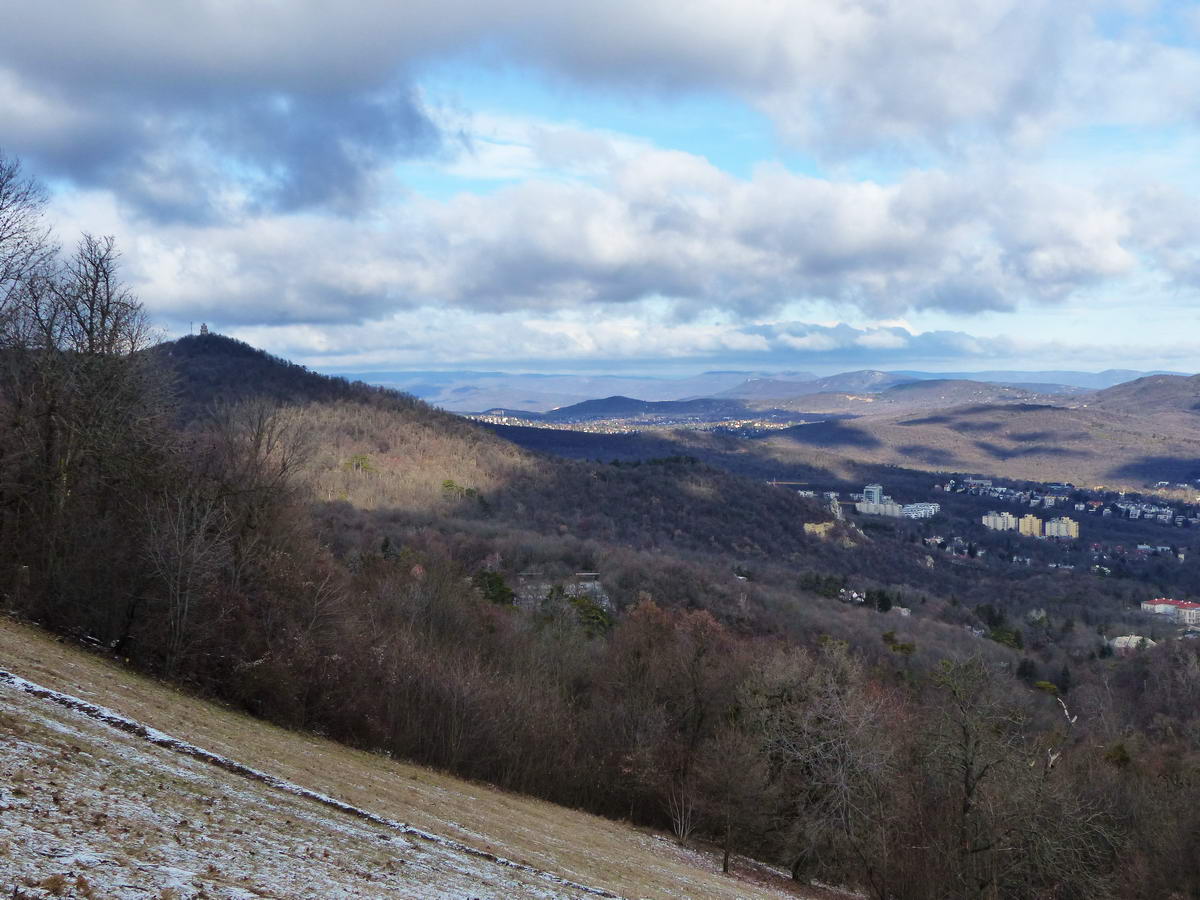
{"points": [[1063, 495]]}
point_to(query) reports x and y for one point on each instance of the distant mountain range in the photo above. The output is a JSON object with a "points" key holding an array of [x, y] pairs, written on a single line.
{"points": [[477, 391], [618, 407], [864, 382], [470, 391], [1093, 381], [1130, 435], [905, 396]]}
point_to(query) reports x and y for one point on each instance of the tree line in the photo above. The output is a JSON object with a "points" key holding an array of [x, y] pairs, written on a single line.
{"points": [[202, 548]]}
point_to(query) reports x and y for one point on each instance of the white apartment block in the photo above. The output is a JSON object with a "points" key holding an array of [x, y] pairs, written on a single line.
{"points": [[880, 509], [921, 510], [1000, 521], [1062, 528]]}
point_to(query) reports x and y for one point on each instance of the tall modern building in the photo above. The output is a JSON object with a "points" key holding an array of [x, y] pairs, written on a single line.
{"points": [[1030, 526], [1062, 528], [873, 493]]}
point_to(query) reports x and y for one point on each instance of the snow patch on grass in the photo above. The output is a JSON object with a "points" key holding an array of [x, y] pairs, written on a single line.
{"points": [[145, 815]]}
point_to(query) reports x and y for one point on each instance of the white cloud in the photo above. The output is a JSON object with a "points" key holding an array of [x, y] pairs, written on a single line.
{"points": [[660, 224], [263, 84]]}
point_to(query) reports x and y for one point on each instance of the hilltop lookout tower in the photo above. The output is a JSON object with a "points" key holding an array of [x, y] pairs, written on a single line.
{"points": [[204, 328]]}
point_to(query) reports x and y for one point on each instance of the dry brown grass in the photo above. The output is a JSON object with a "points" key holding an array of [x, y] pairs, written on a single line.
{"points": [[571, 844]]}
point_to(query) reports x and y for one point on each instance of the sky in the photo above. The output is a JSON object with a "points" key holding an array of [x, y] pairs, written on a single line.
{"points": [[638, 186]]}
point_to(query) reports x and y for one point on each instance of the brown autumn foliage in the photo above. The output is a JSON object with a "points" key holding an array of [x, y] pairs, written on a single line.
{"points": [[315, 558]]}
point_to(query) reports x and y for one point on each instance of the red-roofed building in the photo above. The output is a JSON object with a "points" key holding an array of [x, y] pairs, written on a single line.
{"points": [[1184, 612]]}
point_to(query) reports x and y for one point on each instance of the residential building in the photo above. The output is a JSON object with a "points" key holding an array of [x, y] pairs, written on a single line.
{"points": [[1062, 527], [1187, 613], [880, 509], [1182, 611], [873, 493], [1000, 521], [1030, 526], [1162, 606], [921, 510]]}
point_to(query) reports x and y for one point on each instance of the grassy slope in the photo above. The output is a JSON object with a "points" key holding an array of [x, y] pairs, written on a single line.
{"points": [[155, 792]]}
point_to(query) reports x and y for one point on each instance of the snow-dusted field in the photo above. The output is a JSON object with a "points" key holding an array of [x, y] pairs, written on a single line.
{"points": [[90, 810], [97, 801]]}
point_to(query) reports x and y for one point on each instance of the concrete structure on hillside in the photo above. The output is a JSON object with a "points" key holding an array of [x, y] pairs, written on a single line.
{"points": [[1000, 521], [1062, 528], [1030, 526], [873, 493]]}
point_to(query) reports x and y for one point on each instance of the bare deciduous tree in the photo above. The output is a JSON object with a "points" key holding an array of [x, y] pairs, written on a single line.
{"points": [[85, 420], [186, 547], [25, 242], [734, 784], [1013, 828], [824, 726]]}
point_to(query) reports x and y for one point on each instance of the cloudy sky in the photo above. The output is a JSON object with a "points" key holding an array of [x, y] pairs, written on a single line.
{"points": [[638, 185]]}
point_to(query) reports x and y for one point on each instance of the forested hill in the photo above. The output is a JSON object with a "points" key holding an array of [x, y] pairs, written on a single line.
{"points": [[657, 639], [209, 369], [373, 454], [627, 407], [353, 562], [1152, 394]]}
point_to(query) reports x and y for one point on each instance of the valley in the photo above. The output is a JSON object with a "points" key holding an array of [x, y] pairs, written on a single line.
{"points": [[603, 622]]}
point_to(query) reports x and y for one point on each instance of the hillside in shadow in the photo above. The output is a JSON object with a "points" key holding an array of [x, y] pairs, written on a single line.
{"points": [[1037, 442]]}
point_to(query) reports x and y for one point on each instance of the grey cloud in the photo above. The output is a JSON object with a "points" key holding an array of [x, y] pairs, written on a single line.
{"points": [[310, 97], [322, 150], [272, 152], [183, 123], [1164, 222]]}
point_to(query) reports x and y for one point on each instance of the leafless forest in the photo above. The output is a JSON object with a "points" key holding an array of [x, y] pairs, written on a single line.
{"points": [[345, 560]]}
